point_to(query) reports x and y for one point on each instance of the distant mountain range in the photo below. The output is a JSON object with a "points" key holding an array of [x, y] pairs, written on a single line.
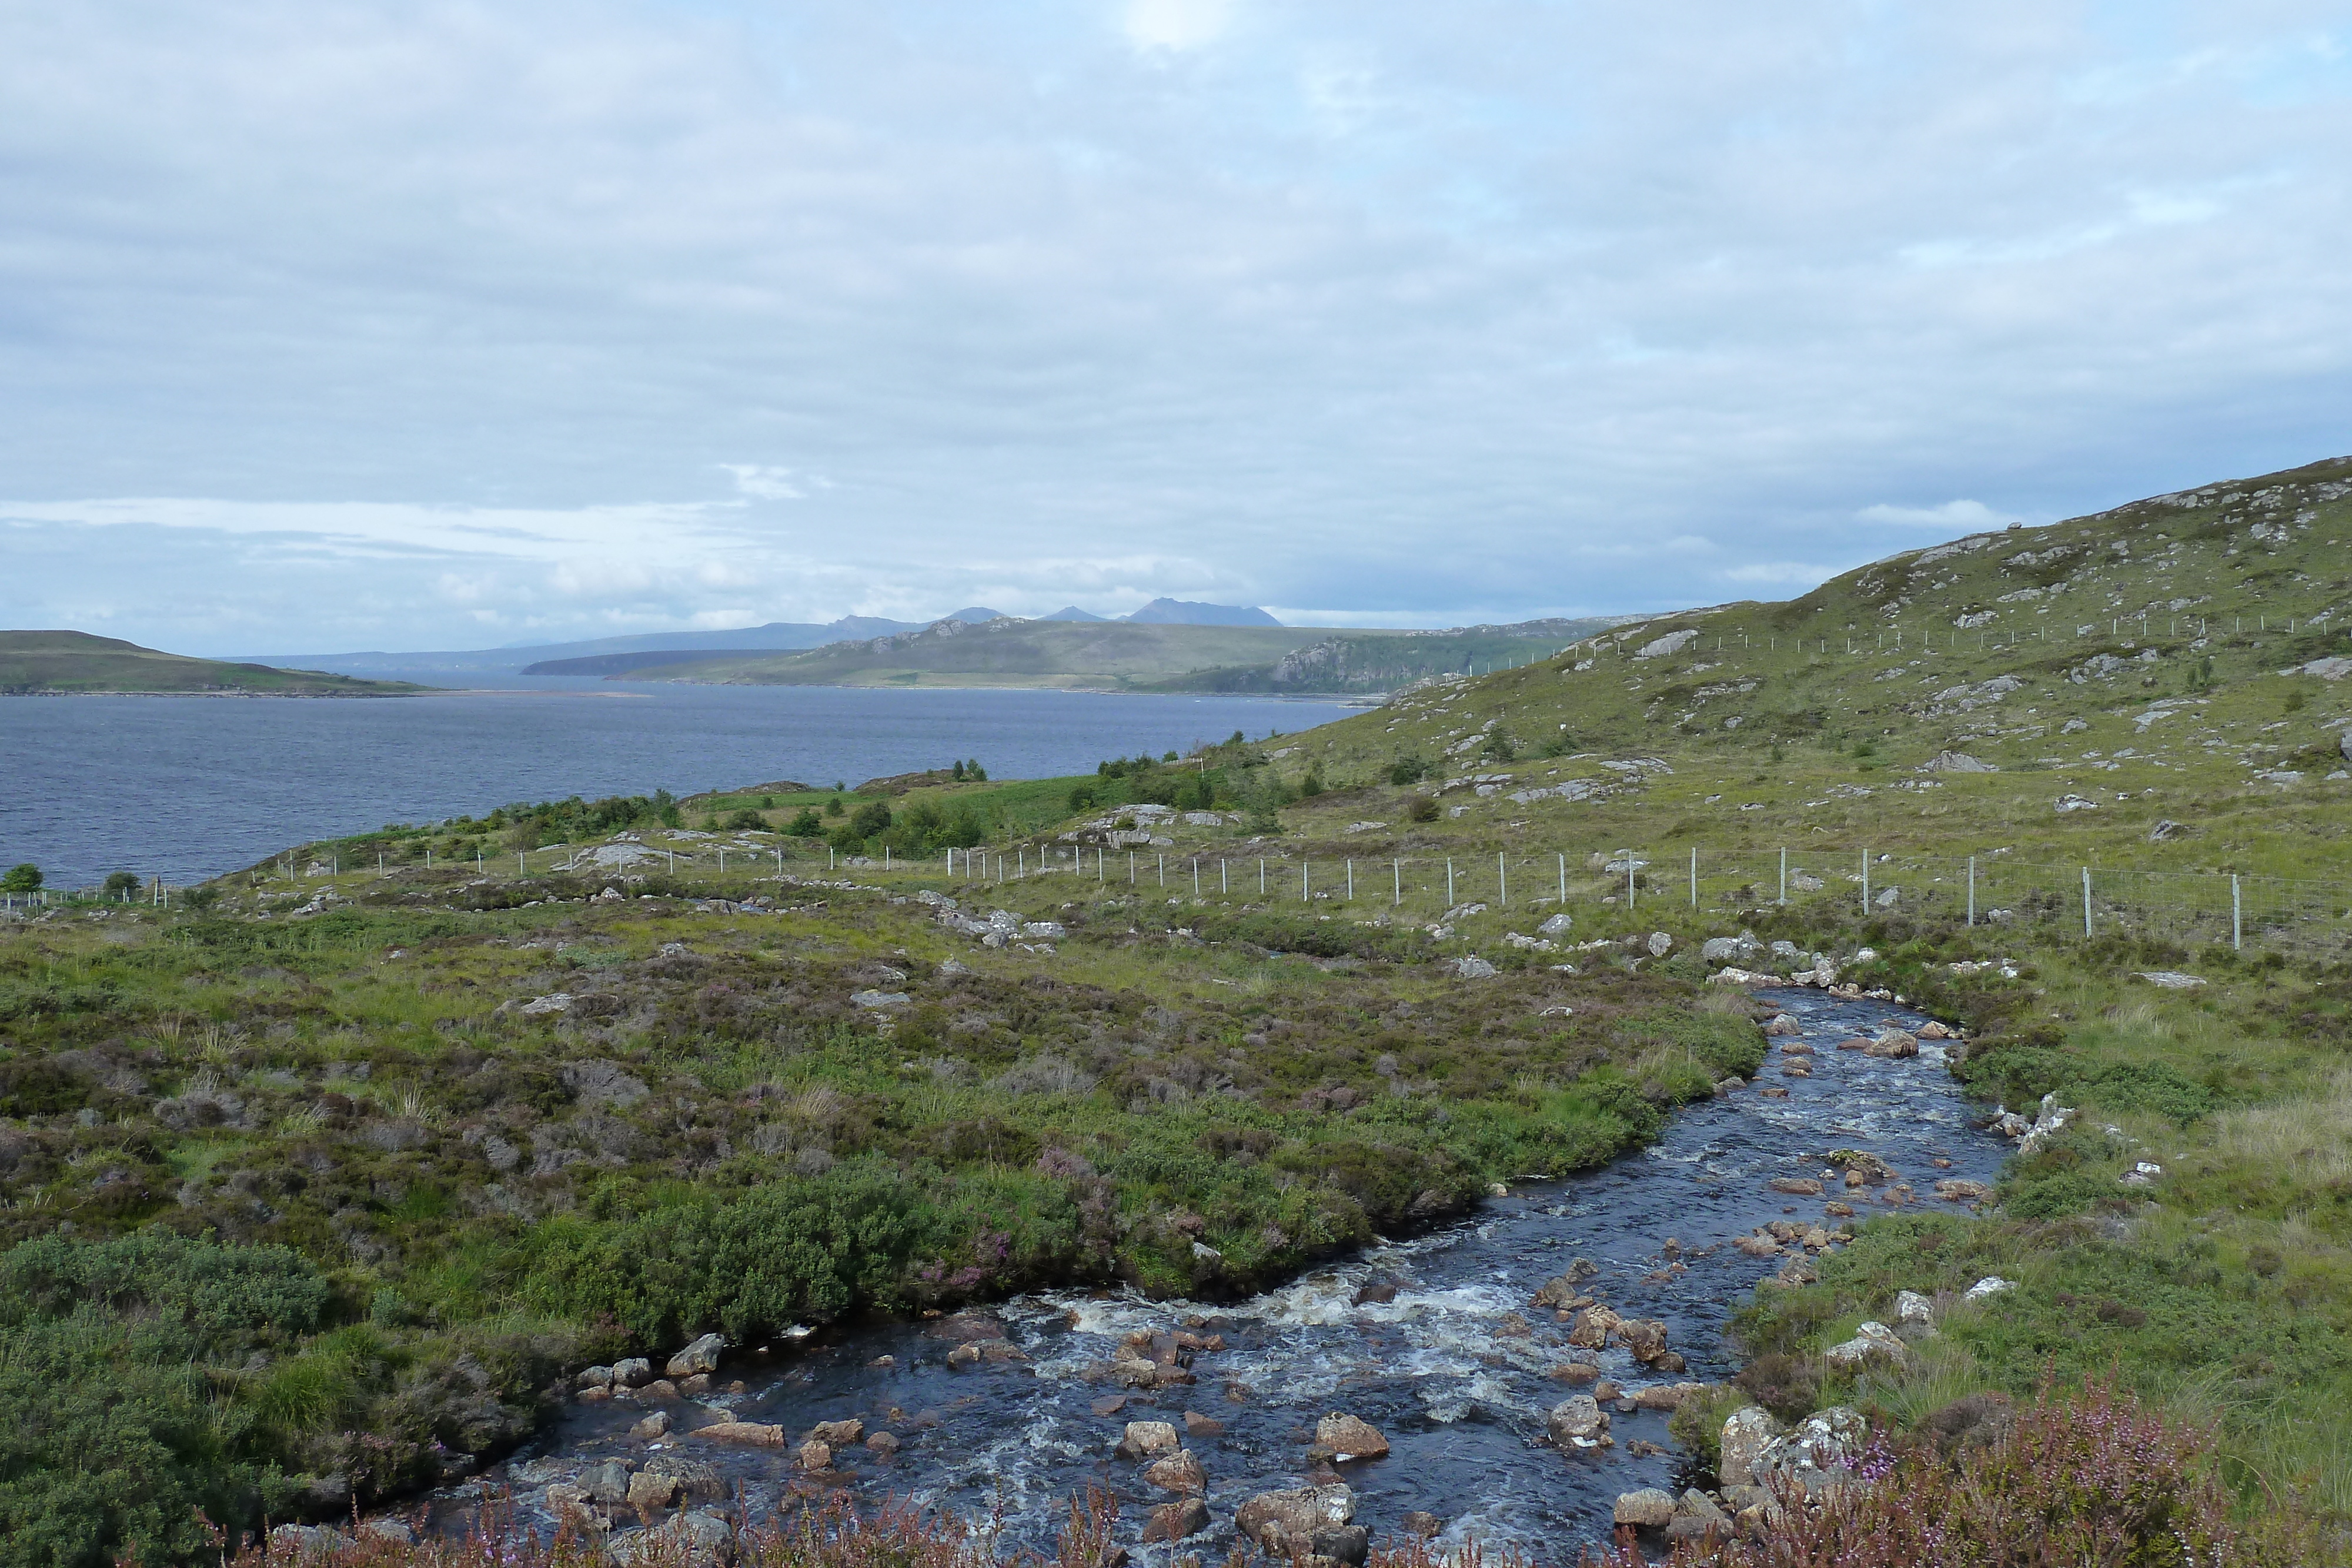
{"points": [[1131, 654], [776, 636]]}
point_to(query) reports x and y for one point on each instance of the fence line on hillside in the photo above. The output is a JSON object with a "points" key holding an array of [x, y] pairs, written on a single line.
{"points": [[1992, 891], [1476, 890]]}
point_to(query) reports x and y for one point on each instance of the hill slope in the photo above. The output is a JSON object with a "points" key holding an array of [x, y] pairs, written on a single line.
{"points": [[53, 661], [2156, 622], [1123, 655]]}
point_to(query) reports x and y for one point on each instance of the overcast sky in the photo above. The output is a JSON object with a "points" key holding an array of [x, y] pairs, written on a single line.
{"points": [[330, 326]]}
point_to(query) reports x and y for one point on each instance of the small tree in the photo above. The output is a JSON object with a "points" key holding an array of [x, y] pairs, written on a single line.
{"points": [[832, 807], [24, 878], [870, 819], [120, 884], [807, 825], [200, 898]]}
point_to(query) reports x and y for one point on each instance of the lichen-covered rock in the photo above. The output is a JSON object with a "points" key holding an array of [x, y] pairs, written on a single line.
{"points": [[1282, 1523], [1648, 1508], [1745, 1432], [1872, 1339], [1578, 1421], [1819, 1455], [701, 1357], [702, 1539]]}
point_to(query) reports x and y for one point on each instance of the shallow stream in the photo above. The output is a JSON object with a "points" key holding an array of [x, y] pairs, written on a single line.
{"points": [[1461, 1399]]}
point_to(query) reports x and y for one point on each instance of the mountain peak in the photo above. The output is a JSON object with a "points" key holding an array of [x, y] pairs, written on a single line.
{"points": [[1182, 612]]}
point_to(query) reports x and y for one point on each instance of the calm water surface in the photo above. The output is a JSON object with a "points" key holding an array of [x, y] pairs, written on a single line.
{"points": [[188, 788]]}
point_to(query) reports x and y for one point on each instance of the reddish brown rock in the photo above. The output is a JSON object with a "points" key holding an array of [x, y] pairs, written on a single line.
{"points": [[1179, 1473], [1175, 1520]]}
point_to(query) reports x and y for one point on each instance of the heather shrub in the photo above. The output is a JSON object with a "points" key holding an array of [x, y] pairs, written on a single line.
{"points": [[2086, 1477]]}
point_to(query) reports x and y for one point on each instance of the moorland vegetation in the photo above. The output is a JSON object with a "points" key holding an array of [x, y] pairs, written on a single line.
{"points": [[310, 1196]]}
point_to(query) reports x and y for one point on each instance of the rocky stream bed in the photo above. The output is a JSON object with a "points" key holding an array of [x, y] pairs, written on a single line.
{"points": [[1480, 1356]]}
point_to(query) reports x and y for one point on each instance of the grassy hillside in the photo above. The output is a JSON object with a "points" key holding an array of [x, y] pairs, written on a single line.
{"points": [[2182, 660], [1373, 661], [42, 661], [1128, 656]]}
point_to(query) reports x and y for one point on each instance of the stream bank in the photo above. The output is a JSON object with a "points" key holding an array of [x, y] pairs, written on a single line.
{"points": [[1434, 1341]]}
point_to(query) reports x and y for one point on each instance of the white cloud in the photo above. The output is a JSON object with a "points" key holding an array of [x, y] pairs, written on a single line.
{"points": [[1789, 574], [435, 325], [1952, 517], [1176, 24], [764, 483]]}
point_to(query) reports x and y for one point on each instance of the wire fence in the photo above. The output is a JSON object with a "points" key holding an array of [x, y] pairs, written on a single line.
{"points": [[1476, 892], [1997, 890]]}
